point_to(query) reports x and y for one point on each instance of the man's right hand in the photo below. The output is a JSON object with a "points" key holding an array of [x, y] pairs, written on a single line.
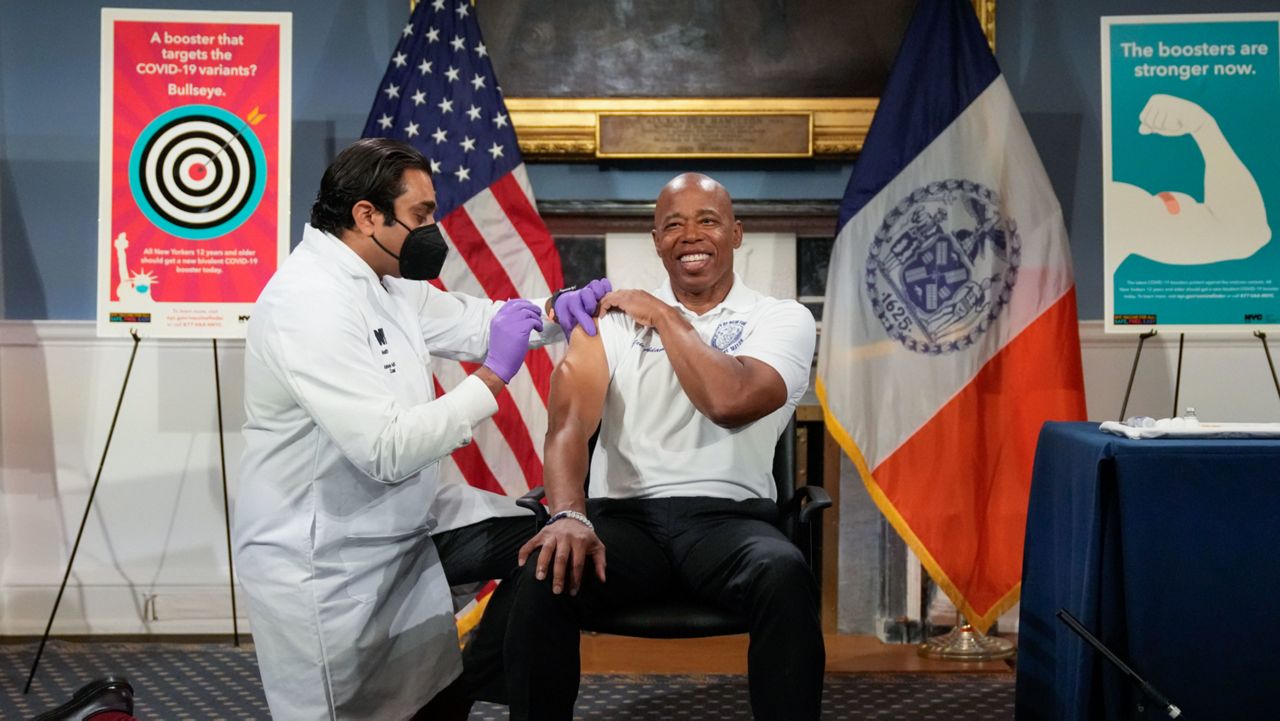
{"points": [[509, 337], [566, 545], [643, 307]]}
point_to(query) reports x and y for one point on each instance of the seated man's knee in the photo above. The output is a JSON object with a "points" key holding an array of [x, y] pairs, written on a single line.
{"points": [[533, 589], [527, 574], [778, 563]]}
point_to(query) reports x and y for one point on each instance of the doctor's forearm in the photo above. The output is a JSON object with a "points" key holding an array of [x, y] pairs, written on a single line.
{"points": [[490, 380], [406, 439]]}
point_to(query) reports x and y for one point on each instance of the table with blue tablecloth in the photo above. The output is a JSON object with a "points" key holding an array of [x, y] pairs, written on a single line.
{"points": [[1167, 551]]}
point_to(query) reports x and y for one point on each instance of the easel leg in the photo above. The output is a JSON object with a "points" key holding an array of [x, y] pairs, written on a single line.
{"points": [[1133, 372], [84, 519], [226, 503], [1177, 378], [1263, 337]]}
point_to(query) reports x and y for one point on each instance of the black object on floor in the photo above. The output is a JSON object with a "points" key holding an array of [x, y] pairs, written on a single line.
{"points": [[197, 682], [110, 693]]}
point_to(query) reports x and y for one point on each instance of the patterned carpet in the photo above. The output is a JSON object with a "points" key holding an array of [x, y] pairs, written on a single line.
{"points": [[197, 682]]}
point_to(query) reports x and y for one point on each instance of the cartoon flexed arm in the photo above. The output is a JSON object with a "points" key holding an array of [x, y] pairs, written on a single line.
{"points": [[1173, 227]]}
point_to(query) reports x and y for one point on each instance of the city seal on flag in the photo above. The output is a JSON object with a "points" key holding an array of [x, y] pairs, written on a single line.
{"points": [[942, 266]]}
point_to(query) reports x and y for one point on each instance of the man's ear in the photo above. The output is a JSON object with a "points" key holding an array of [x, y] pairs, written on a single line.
{"points": [[654, 234], [737, 234], [362, 213]]}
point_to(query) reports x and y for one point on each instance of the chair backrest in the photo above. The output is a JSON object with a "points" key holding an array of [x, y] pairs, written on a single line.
{"points": [[784, 475]]}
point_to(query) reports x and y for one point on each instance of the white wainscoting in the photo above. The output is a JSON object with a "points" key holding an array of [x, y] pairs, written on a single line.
{"points": [[154, 553], [1224, 377], [154, 557]]}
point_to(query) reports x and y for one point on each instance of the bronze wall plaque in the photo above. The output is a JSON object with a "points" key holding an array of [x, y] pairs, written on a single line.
{"points": [[704, 135]]}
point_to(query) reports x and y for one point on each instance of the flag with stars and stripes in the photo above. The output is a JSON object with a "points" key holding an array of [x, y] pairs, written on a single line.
{"points": [[440, 95]]}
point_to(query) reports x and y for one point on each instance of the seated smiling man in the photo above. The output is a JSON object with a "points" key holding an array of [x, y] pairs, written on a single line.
{"points": [[691, 386]]}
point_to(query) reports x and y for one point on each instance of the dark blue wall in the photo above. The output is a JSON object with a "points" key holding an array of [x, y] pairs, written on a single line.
{"points": [[49, 54]]}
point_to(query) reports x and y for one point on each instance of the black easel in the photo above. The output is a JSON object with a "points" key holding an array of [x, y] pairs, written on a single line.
{"points": [[226, 504], [94, 489], [1133, 372], [1177, 376], [1177, 381], [1261, 336]]}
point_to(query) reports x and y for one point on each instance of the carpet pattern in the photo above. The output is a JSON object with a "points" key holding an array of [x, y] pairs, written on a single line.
{"points": [[198, 682]]}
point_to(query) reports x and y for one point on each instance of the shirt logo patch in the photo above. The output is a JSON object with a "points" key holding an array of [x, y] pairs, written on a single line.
{"points": [[728, 335]]}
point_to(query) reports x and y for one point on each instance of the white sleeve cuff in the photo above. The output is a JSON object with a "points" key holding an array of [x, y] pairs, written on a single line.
{"points": [[472, 400]]}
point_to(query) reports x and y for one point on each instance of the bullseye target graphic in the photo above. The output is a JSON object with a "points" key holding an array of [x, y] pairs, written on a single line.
{"points": [[198, 171]]}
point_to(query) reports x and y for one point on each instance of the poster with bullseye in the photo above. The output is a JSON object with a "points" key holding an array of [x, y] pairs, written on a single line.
{"points": [[194, 169]]}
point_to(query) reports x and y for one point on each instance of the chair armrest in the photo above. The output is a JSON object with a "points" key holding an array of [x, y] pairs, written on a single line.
{"points": [[807, 503], [533, 501]]}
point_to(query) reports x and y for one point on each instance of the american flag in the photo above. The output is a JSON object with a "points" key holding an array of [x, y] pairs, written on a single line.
{"points": [[440, 94]]}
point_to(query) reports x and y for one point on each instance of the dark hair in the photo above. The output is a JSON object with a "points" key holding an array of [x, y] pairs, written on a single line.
{"points": [[369, 169]]}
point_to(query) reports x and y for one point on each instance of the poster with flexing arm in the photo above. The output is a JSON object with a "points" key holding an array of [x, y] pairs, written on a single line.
{"points": [[1191, 172], [193, 169]]}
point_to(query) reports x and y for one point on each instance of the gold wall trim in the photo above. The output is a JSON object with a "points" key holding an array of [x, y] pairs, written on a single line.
{"points": [[566, 128]]}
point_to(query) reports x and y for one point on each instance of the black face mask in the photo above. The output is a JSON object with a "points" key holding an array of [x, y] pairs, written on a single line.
{"points": [[422, 254]]}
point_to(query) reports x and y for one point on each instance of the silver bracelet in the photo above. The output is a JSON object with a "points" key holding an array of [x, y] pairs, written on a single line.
{"points": [[575, 515]]}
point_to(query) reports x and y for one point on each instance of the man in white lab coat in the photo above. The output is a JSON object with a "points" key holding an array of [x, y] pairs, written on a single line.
{"points": [[339, 492]]}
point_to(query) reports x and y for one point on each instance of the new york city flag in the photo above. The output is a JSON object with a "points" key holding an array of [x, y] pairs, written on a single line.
{"points": [[949, 333]]}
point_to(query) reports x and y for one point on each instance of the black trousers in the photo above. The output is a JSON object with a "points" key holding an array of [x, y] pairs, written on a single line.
{"points": [[471, 554], [724, 552]]}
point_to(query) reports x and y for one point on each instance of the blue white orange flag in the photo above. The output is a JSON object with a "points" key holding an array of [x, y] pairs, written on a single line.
{"points": [[949, 334], [440, 94]]}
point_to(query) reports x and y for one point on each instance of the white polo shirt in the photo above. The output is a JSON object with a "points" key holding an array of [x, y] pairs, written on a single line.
{"points": [[653, 442]]}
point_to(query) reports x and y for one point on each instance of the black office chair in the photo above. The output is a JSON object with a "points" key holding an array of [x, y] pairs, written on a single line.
{"points": [[689, 618]]}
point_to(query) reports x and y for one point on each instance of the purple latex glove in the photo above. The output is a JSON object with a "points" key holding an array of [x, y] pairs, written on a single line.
{"points": [[578, 307], [509, 336]]}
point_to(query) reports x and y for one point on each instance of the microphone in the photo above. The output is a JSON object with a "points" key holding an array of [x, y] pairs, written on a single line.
{"points": [[1151, 692]]}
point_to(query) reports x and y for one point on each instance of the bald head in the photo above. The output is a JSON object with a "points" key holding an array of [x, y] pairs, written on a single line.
{"points": [[694, 182]]}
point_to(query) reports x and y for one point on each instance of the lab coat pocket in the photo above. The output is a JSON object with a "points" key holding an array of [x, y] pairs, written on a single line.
{"points": [[376, 565]]}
